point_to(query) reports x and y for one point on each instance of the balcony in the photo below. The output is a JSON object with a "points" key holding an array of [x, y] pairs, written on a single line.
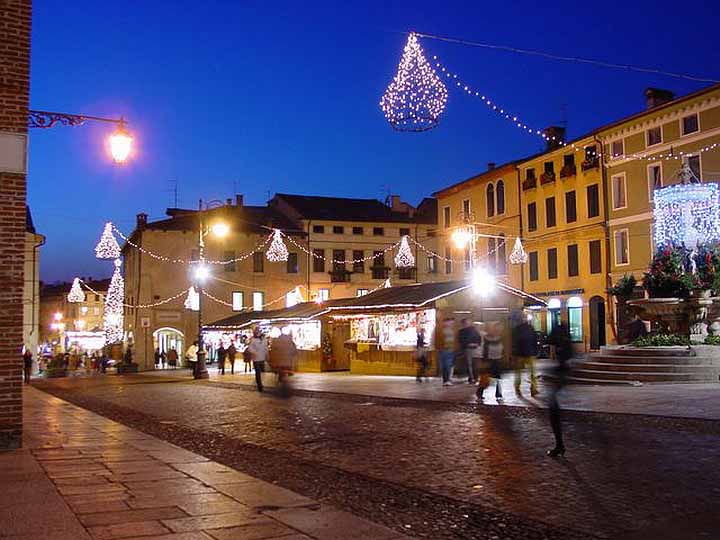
{"points": [[589, 164], [340, 275], [380, 272], [568, 170], [529, 183], [407, 273], [547, 178]]}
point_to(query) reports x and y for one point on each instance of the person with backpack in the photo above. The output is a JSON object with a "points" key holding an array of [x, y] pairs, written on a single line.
{"points": [[562, 352], [524, 350]]}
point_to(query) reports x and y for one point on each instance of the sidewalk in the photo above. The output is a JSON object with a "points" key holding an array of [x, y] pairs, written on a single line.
{"points": [[81, 476]]}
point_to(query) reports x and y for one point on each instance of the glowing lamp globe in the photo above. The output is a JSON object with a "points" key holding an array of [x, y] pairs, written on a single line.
{"points": [[202, 272], [120, 145], [461, 237], [220, 229]]}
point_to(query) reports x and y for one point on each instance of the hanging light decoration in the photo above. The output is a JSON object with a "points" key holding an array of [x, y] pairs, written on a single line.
{"points": [[416, 97], [192, 301], [278, 250], [518, 254], [107, 247], [404, 258], [387, 284], [113, 315], [76, 293]]}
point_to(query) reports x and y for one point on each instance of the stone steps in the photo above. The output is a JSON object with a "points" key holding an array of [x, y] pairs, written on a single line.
{"points": [[648, 367], [645, 377], [655, 360], [676, 352]]}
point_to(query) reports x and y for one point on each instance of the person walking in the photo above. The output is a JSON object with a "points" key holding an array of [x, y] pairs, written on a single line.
{"points": [[221, 355], [524, 350], [258, 351], [231, 354], [447, 350], [421, 356], [27, 365], [492, 354], [562, 352], [157, 357], [470, 340], [172, 358], [191, 356], [246, 357], [282, 359]]}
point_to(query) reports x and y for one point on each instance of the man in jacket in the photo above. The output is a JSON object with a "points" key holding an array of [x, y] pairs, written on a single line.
{"points": [[470, 340], [524, 349], [258, 350]]}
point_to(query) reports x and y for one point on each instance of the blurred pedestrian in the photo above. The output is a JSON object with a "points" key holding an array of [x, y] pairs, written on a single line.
{"points": [[231, 354], [163, 359], [172, 358], [283, 354], [27, 365], [258, 353], [421, 358], [493, 352], [470, 340], [447, 350], [191, 356], [562, 352], [246, 357], [221, 355], [524, 350]]}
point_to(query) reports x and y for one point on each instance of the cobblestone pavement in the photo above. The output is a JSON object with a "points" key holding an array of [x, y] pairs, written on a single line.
{"points": [[437, 469]]}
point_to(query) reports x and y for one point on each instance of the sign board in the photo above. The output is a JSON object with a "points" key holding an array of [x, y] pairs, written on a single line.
{"points": [[167, 316], [13, 153], [145, 322]]}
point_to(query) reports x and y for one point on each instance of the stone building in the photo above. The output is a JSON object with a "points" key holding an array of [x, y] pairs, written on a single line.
{"points": [[31, 287]]}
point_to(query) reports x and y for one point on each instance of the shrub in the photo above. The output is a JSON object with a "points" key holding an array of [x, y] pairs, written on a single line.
{"points": [[661, 340], [624, 287], [666, 277], [712, 340]]}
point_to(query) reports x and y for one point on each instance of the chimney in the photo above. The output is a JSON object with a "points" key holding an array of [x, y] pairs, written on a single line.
{"points": [[491, 165], [654, 97], [395, 203], [555, 136], [238, 200], [141, 221], [228, 202]]}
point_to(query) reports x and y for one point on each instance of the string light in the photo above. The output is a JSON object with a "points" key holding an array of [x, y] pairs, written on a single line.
{"points": [[113, 315], [518, 254], [686, 214], [404, 257], [107, 247], [380, 253], [417, 96], [76, 293], [278, 250], [192, 302], [431, 253], [666, 156]]}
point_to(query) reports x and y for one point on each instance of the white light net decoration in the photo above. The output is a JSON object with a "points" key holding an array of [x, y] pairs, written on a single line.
{"points": [[686, 214], [113, 315], [107, 247], [417, 96], [518, 254], [278, 250], [404, 258], [76, 293]]}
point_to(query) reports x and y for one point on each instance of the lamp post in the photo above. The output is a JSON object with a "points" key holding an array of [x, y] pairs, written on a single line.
{"points": [[120, 141]]}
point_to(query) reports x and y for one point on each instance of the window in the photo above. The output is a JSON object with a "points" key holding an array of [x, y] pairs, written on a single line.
{"points": [[530, 174], [358, 263], [595, 258], [553, 314], [358, 230], [693, 162], [238, 300], [533, 258], [619, 191], [491, 254], [378, 231], [590, 153], [466, 207], [448, 260], [653, 136], [552, 263], [622, 250], [575, 307], [549, 168], [320, 229], [258, 261], [379, 258], [446, 217], [338, 264], [654, 178], [318, 260], [292, 263], [532, 217], [97, 297], [258, 300], [229, 256], [690, 124], [593, 201], [550, 212], [379, 270], [362, 292], [570, 207], [500, 196], [404, 231], [323, 295], [501, 261], [572, 255], [569, 160], [490, 200], [432, 264], [338, 229], [617, 148]]}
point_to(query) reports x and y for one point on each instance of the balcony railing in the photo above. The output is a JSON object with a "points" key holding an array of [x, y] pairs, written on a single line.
{"points": [[589, 164], [547, 178], [568, 170], [529, 183], [380, 272], [340, 276]]}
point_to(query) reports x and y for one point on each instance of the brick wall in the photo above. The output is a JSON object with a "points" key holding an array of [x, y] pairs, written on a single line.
{"points": [[15, 20]]}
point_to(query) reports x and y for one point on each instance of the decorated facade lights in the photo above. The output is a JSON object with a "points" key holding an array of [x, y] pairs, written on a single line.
{"points": [[417, 96], [107, 247], [518, 254], [278, 250], [665, 156], [404, 257], [192, 301], [76, 293], [113, 315]]}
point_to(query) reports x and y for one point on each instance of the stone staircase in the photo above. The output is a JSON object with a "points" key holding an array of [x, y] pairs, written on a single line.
{"points": [[623, 365]]}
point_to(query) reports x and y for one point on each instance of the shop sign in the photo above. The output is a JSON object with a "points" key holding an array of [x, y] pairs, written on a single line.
{"points": [[167, 316]]}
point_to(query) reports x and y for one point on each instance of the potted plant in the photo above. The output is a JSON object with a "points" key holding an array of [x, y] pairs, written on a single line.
{"points": [[666, 277], [624, 288]]}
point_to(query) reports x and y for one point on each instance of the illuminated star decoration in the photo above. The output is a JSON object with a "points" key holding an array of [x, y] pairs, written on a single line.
{"points": [[518, 254], [192, 301], [404, 257], [686, 214], [107, 247], [277, 251], [113, 315], [76, 293], [416, 97]]}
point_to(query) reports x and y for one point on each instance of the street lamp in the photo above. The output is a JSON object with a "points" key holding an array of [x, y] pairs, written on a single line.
{"points": [[120, 142]]}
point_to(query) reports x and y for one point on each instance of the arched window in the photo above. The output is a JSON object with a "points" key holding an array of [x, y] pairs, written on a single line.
{"points": [[490, 196], [501, 264], [553, 314], [500, 194], [575, 318]]}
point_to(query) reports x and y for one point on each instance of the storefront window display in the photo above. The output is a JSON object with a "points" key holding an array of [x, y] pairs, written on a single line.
{"points": [[394, 331], [553, 314], [575, 318], [85, 341]]}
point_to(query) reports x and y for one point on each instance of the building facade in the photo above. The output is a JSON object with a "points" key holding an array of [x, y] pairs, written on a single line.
{"points": [[31, 288]]}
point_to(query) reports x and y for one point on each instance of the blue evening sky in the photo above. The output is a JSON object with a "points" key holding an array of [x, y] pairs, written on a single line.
{"points": [[264, 97]]}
